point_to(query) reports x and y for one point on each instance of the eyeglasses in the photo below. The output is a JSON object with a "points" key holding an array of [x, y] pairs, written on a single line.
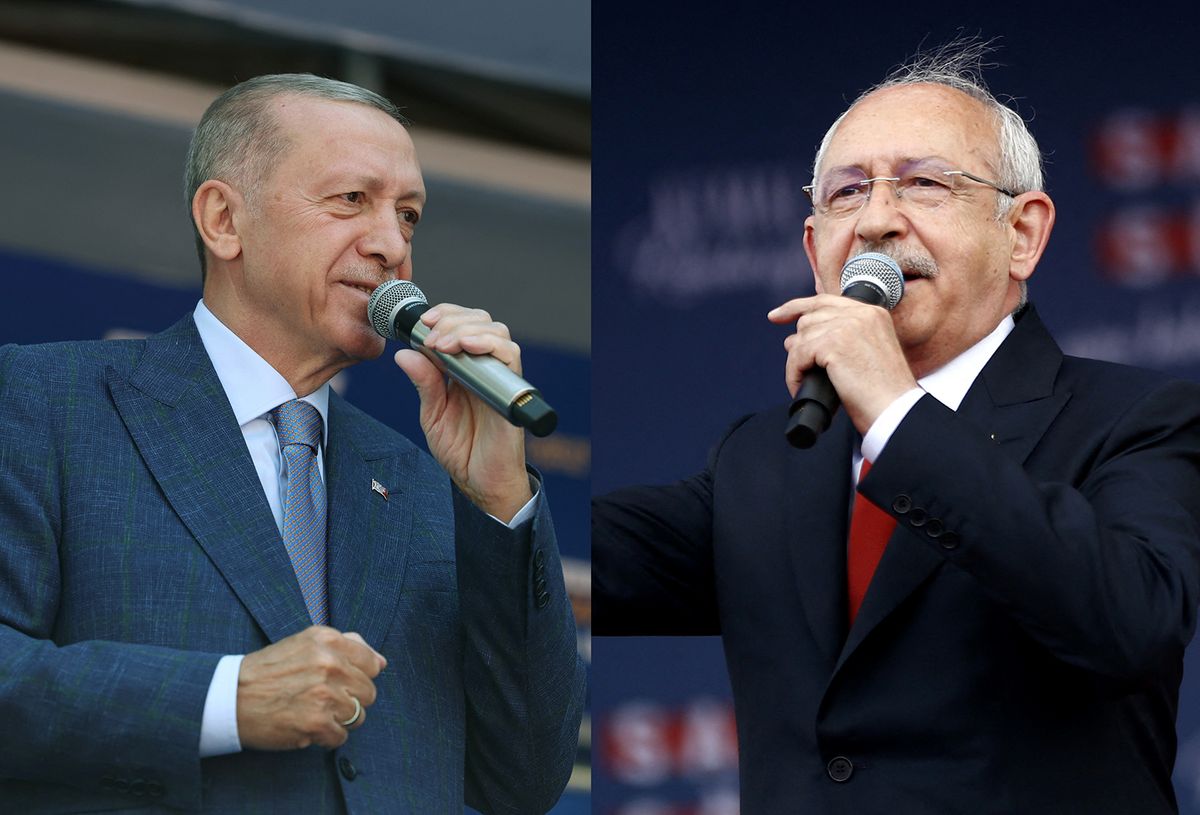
{"points": [[923, 184]]}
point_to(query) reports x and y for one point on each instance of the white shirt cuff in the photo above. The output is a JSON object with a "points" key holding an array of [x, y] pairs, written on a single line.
{"points": [[524, 513], [885, 425], [218, 726]]}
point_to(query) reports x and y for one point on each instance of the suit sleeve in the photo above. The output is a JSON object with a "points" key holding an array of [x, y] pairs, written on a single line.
{"points": [[524, 679], [652, 557], [1101, 567], [119, 720]]}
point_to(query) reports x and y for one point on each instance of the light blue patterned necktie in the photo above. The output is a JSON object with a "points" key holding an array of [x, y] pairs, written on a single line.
{"points": [[298, 425]]}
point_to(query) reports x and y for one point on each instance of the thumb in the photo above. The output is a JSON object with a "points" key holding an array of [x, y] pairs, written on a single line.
{"points": [[425, 376]]}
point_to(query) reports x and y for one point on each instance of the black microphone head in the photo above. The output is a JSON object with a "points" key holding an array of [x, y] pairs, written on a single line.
{"points": [[878, 270], [387, 300]]}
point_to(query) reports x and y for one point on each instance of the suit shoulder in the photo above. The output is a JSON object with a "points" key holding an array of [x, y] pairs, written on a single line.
{"points": [[69, 362], [1121, 385]]}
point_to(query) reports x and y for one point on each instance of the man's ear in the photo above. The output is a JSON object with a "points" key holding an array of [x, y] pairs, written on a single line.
{"points": [[1031, 219], [213, 208]]}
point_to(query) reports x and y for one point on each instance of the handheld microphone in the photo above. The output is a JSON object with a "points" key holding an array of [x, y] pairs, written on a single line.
{"points": [[869, 278], [395, 310]]}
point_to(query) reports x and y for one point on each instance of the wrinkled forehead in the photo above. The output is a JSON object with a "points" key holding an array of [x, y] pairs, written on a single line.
{"points": [[893, 126]]}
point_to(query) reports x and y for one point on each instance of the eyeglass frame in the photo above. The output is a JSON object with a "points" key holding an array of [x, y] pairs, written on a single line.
{"points": [[869, 185]]}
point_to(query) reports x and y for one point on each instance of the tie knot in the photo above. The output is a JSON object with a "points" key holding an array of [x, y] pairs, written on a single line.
{"points": [[298, 422]]}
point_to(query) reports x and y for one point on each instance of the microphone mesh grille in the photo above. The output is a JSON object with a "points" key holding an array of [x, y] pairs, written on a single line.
{"points": [[384, 300], [876, 268]]}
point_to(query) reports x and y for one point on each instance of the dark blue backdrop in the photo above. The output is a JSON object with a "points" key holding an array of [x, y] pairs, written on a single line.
{"points": [[706, 118]]}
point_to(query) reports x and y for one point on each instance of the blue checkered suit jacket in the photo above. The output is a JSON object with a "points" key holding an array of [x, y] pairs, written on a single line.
{"points": [[137, 547]]}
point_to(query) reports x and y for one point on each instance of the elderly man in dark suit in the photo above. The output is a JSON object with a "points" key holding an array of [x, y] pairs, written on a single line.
{"points": [[224, 588], [993, 618]]}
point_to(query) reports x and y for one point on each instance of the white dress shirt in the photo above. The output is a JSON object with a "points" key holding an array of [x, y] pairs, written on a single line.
{"points": [[254, 389], [948, 384]]}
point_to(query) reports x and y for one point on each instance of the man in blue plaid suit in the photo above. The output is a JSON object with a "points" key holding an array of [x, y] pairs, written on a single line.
{"points": [[159, 650]]}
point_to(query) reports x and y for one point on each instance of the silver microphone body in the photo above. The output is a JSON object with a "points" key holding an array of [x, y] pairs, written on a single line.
{"points": [[395, 310]]}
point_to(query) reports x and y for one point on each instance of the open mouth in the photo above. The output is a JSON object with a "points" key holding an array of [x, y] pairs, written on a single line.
{"points": [[365, 288]]}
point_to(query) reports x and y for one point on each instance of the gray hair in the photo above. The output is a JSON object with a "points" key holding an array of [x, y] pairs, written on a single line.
{"points": [[240, 142], [960, 64]]}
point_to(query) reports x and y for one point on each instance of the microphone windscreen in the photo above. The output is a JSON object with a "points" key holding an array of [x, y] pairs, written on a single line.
{"points": [[386, 300], [877, 269]]}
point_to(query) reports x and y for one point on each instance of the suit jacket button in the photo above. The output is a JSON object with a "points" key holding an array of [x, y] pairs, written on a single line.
{"points": [[840, 769], [539, 558], [902, 504], [347, 769], [935, 528], [155, 789], [918, 517], [543, 598], [948, 540]]}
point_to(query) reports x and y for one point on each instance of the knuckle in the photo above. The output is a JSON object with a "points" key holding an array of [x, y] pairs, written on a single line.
{"points": [[326, 664], [323, 637]]}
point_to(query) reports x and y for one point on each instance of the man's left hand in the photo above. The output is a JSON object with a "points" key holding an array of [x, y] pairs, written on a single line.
{"points": [[482, 452]]}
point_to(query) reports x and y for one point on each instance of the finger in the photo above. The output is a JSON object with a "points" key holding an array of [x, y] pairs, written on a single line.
{"points": [[355, 714], [491, 345], [786, 312], [449, 333], [361, 660], [794, 371], [794, 309], [446, 318], [425, 376], [354, 635]]}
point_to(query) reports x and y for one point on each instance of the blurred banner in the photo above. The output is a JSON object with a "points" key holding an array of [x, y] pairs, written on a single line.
{"points": [[705, 124]]}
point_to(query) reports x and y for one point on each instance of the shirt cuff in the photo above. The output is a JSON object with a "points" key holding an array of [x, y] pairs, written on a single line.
{"points": [[218, 726], [885, 425], [524, 513]]}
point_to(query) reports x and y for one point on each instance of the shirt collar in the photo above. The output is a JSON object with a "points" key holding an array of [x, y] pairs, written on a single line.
{"points": [[950, 383], [253, 387]]}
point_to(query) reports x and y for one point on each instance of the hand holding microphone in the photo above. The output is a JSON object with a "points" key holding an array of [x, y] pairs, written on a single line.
{"points": [[476, 440], [823, 328], [395, 310]]}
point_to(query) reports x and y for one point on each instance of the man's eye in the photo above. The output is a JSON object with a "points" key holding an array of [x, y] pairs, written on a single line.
{"points": [[926, 181], [849, 191], [410, 216], [352, 197]]}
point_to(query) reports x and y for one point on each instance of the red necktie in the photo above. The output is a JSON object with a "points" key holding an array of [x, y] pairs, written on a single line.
{"points": [[870, 528]]}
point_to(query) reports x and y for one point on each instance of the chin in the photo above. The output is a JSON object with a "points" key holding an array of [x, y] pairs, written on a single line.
{"points": [[362, 343]]}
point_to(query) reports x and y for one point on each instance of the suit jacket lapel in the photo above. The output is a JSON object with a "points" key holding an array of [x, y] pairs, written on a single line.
{"points": [[179, 417], [818, 535], [1013, 399], [368, 533], [1013, 402]]}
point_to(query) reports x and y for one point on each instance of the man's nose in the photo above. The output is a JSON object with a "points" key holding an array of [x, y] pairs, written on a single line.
{"points": [[881, 217], [385, 240]]}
